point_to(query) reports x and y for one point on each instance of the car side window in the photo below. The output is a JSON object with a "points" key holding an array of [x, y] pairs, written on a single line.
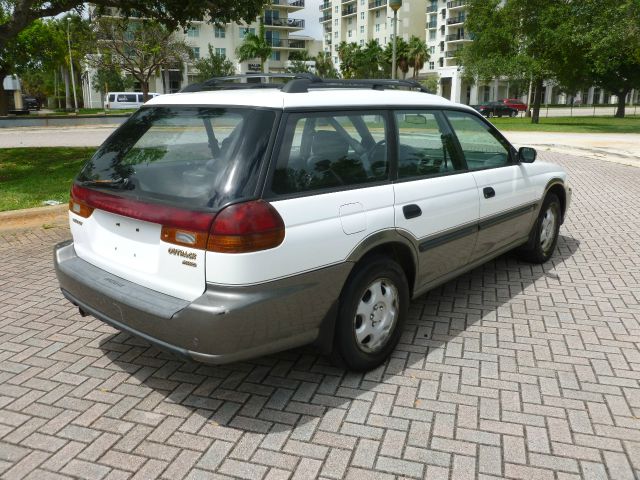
{"points": [[423, 146], [480, 147], [323, 151]]}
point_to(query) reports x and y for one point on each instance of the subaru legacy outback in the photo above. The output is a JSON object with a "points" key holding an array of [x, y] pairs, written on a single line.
{"points": [[241, 219]]}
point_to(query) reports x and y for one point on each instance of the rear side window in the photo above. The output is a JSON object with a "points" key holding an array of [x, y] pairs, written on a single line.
{"points": [[185, 156], [423, 146], [480, 147], [127, 98], [325, 150], [112, 97]]}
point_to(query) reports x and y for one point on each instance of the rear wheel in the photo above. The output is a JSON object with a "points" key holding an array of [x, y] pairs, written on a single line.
{"points": [[544, 235], [373, 308]]}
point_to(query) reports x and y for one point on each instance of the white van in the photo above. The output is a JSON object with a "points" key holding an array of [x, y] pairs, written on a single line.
{"points": [[126, 100]]}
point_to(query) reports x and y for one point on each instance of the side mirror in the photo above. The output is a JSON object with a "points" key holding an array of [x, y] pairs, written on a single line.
{"points": [[527, 154]]}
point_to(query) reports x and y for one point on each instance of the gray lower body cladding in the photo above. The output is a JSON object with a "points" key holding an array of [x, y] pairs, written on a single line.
{"points": [[225, 324]]}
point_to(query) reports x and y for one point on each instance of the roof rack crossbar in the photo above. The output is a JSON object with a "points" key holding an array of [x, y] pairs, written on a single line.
{"points": [[299, 83]]}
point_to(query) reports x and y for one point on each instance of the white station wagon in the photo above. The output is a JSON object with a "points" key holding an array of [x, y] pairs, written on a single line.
{"points": [[245, 219]]}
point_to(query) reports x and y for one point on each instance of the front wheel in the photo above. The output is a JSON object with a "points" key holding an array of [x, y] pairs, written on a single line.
{"points": [[544, 235], [373, 308]]}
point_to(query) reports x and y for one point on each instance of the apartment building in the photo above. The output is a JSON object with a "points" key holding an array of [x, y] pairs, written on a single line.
{"points": [[442, 25], [280, 24], [358, 21]]}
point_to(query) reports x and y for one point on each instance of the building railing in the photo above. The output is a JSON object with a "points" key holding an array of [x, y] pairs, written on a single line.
{"points": [[432, 8], [458, 19], [325, 18], [288, 3], [286, 43], [350, 10], [457, 37], [325, 5], [457, 3], [451, 53], [284, 22], [348, 1], [377, 4], [432, 24]]}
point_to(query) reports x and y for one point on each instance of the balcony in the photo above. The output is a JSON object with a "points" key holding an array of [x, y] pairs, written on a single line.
{"points": [[287, 43], [454, 20], [325, 5], [377, 4], [348, 1], [292, 23], [456, 4], [432, 24], [456, 37], [432, 8], [451, 54], [350, 10], [325, 18], [293, 4]]}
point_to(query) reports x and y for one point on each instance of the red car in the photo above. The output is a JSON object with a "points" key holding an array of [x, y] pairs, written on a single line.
{"points": [[515, 103]]}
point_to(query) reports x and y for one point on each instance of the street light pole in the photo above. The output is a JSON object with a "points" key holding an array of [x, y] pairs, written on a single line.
{"points": [[395, 5], [73, 80]]}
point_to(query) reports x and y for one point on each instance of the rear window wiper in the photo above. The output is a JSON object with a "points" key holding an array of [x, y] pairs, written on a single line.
{"points": [[119, 183]]}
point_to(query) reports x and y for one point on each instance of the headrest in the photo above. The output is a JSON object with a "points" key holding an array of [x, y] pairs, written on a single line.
{"points": [[329, 145]]}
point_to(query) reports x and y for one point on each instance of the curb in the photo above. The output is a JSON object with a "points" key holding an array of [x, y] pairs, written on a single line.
{"points": [[28, 217]]}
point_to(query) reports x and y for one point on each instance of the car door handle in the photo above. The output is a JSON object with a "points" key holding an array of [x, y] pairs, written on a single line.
{"points": [[488, 192], [411, 211]]}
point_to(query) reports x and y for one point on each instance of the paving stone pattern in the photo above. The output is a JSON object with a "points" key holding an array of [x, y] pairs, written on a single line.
{"points": [[512, 370]]}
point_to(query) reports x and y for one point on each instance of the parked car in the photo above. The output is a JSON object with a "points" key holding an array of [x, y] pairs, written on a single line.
{"points": [[125, 100], [496, 109], [224, 225], [30, 103], [519, 105]]}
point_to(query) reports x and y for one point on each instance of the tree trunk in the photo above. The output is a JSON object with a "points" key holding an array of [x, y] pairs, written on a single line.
{"points": [[145, 90], [67, 91], [537, 101], [622, 99], [528, 114], [4, 101]]}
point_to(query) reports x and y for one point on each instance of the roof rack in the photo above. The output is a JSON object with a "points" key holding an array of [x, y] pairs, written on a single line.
{"points": [[298, 83]]}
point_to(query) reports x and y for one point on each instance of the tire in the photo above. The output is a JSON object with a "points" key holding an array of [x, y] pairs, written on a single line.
{"points": [[514, 113], [544, 234], [489, 114], [368, 328]]}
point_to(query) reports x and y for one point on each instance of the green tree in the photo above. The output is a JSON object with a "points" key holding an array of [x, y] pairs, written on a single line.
{"points": [[109, 77], [298, 66], [255, 46], [515, 39], [418, 54], [140, 48], [214, 65], [324, 65], [16, 15], [300, 55], [348, 55], [402, 56]]}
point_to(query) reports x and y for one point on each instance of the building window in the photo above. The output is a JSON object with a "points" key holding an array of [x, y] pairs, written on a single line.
{"points": [[377, 27], [275, 56], [361, 42], [432, 65], [245, 31], [335, 22], [349, 33], [432, 34], [335, 9], [196, 52], [194, 31], [350, 21], [377, 13], [221, 52], [361, 15], [361, 2], [335, 60], [335, 35], [361, 28], [219, 32]]}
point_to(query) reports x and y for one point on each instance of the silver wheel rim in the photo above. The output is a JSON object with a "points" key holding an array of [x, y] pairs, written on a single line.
{"points": [[376, 315], [548, 229]]}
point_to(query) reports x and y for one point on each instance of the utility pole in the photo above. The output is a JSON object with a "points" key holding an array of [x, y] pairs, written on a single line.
{"points": [[73, 80], [395, 6]]}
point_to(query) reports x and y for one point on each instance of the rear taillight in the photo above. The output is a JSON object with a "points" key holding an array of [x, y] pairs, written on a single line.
{"points": [[246, 227], [80, 208]]}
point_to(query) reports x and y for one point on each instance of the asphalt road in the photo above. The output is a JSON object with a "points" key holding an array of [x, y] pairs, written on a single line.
{"points": [[512, 370]]}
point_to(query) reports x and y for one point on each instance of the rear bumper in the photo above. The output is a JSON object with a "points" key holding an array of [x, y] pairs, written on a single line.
{"points": [[225, 324]]}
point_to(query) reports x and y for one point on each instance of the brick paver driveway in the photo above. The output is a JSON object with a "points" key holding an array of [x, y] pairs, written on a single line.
{"points": [[513, 371]]}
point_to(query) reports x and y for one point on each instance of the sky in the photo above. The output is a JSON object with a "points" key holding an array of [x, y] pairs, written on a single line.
{"points": [[310, 14]]}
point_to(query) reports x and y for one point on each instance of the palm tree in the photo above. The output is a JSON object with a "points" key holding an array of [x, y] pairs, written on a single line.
{"points": [[418, 54], [255, 46], [370, 59], [324, 65], [402, 55]]}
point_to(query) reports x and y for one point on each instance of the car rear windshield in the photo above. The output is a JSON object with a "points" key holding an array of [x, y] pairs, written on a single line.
{"points": [[190, 157]]}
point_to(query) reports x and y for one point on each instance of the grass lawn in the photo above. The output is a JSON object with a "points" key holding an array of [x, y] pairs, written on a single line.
{"points": [[29, 176], [629, 124]]}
